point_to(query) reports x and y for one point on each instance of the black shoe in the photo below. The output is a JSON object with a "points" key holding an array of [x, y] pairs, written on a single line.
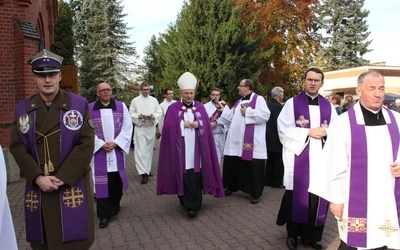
{"points": [[104, 222], [145, 178], [191, 213], [280, 186], [228, 192], [291, 243], [315, 245], [254, 200]]}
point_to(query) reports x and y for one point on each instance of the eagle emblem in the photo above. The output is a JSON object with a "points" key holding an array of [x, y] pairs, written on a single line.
{"points": [[24, 123]]}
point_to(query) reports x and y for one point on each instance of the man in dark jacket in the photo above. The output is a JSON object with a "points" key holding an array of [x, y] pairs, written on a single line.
{"points": [[274, 164], [52, 142]]}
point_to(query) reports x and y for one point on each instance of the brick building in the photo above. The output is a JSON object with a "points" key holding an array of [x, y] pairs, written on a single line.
{"points": [[27, 26]]}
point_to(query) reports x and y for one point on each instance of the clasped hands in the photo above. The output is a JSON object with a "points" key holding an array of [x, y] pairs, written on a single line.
{"points": [[317, 133], [48, 183], [109, 146], [395, 169], [189, 124], [146, 117]]}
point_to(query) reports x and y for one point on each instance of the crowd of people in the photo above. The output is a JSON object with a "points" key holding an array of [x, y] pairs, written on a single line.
{"points": [[327, 154]]}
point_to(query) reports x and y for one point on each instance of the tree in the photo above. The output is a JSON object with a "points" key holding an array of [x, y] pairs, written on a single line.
{"points": [[344, 32], [102, 49], [288, 28], [63, 35], [211, 41]]}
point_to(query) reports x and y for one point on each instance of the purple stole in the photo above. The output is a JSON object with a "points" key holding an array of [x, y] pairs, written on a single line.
{"points": [[357, 235], [100, 157], [248, 140], [302, 162], [72, 199], [217, 113]]}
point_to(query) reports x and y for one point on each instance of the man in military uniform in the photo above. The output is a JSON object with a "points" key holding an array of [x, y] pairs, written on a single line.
{"points": [[52, 142]]}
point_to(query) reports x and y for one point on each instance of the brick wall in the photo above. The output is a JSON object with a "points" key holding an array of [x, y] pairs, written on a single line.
{"points": [[16, 47]]}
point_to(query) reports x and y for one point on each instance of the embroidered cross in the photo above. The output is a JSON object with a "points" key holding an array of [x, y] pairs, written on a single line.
{"points": [[109, 161], [31, 201], [388, 228], [73, 198], [357, 225]]}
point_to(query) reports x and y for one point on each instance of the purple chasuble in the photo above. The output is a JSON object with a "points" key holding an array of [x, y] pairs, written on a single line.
{"points": [[171, 163], [302, 162], [100, 157], [72, 199], [358, 197], [248, 139]]}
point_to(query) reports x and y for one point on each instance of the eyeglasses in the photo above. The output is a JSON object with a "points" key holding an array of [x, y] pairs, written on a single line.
{"points": [[104, 90]]}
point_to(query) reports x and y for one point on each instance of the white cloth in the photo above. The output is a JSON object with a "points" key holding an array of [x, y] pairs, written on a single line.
{"points": [[123, 140], [295, 139], [219, 131], [334, 179], [189, 138], [235, 137], [164, 107], [145, 130], [7, 233]]}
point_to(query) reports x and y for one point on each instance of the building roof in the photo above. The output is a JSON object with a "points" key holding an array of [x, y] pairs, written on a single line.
{"points": [[345, 80]]}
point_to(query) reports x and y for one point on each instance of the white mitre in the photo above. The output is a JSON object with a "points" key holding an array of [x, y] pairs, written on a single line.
{"points": [[187, 81]]}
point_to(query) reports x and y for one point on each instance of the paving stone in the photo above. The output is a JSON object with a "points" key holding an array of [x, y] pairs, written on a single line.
{"points": [[148, 221]]}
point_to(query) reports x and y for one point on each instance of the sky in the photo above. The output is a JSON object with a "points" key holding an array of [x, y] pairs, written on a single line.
{"points": [[151, 17]]}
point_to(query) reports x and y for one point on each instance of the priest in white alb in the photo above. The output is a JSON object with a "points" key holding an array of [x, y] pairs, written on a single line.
{"points": [[245, 149], [146, 113], [361, 174], [113, 128], [214, 109], [302, 128]]}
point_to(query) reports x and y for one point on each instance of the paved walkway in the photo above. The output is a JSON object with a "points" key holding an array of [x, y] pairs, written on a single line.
{"points": [[148, 221]]}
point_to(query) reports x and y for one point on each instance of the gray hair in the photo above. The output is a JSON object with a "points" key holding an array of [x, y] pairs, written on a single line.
{"points": [[360, 79], [276, 91]]}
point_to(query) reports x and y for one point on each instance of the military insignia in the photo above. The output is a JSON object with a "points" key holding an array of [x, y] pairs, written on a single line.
{"points": [[302, 121], [73, 197], [24, 123], [90, 123], [31, 201], [73, 120]]}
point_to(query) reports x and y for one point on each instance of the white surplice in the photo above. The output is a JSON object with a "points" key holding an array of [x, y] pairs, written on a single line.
{"points": [[7, 233], [189, 136], [123, 140], [235, 137], [219, 131], [333, 184], [295, 139], [145, 131]]}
